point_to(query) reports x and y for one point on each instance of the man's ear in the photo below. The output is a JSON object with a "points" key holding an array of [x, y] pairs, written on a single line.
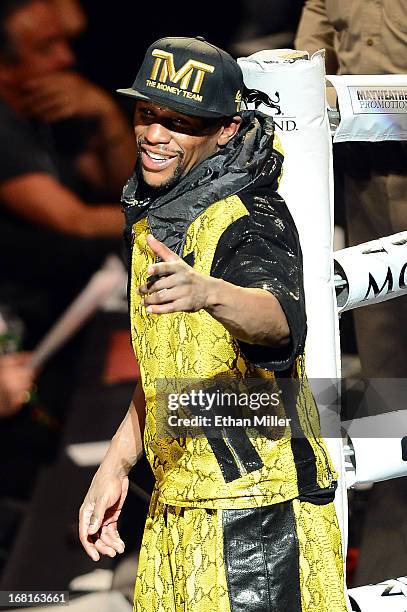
{"points": [[229, 130]]}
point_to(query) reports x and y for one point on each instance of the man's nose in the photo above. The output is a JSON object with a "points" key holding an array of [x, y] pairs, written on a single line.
{"points": [[156, 133], [63, 56]]}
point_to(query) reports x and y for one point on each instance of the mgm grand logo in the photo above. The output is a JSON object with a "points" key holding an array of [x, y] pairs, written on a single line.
{"points": [[164, 75], [257, 98]]}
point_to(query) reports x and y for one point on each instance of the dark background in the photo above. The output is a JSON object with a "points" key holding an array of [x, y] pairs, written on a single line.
{"points": [[117, 36]]}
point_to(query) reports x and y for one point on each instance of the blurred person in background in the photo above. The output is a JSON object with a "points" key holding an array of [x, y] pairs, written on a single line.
{"points": [[16, 375], [368, 38], [55, 228], [16, 381], [37, 84], [72, 16], [26, 443], [371, 38]]}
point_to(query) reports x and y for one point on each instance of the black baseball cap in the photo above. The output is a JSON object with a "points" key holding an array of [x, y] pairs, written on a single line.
{"points": [[191, 76]]}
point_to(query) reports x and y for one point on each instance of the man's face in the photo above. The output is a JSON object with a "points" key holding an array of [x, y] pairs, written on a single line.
{"points": [[170, 144], [40, 44]]}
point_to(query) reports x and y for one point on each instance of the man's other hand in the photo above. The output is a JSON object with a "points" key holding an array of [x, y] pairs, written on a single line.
{"points": [[99, 514]]}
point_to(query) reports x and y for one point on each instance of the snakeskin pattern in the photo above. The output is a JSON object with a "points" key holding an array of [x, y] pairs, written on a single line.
{"points": [[321, 561], [181, 564]]}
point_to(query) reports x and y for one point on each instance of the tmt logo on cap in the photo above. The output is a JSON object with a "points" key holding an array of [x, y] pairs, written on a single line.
{"points": [[189, 75], [238, 100], [165, 61]]}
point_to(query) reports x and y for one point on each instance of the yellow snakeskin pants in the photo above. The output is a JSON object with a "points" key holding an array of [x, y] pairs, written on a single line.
{"points": [[182, 561]]}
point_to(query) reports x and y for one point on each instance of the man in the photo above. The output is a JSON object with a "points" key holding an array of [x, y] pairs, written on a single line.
{"points": [[371, 38], [235, 523]]}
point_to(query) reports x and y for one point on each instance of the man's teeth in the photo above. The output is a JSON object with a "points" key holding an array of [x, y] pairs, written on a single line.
{"points": [[157, 157]]}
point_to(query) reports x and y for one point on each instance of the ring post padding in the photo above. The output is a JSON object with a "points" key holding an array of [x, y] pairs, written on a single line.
{"points": [[295, 97]]}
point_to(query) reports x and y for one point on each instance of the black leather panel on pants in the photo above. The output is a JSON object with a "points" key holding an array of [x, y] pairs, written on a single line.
{"points": [[262, 559]]}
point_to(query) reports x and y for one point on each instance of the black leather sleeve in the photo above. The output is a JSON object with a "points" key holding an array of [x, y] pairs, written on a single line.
{"points": [[262, 250]]}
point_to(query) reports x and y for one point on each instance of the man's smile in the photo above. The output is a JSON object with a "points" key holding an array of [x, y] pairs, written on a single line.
{"points": [[155, 161]]}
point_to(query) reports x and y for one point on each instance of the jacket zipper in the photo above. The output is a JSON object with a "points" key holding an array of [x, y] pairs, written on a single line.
{"points": [[241, 467]]}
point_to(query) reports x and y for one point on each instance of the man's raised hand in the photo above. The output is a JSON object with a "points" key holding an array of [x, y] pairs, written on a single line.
{"points": [[179, 287]]}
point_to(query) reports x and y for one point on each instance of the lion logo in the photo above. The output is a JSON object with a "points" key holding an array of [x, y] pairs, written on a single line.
{"points": [[257, 97]]}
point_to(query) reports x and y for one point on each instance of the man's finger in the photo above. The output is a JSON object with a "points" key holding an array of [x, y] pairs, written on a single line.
{"points": [[112, 529], [161, 249], [94, 524], [163, 268], [110, 537], [165, 296], [97, 515], [160, 283], [176, 306], [84, 519], [103, 549]]}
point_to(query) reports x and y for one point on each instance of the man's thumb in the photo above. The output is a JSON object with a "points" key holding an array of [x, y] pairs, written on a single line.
{"points": [[161, 249], [94, 523]]}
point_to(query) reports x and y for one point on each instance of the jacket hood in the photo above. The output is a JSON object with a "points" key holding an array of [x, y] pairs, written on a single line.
{"points": [[246, 158]]}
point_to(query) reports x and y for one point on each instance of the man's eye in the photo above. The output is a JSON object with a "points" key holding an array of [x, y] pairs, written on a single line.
{"points": [[179, 123], [144, 115]]}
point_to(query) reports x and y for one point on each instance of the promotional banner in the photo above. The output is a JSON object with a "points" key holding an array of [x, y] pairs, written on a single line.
{"points": [[290, 87], [372, 107], [371, 272]]}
